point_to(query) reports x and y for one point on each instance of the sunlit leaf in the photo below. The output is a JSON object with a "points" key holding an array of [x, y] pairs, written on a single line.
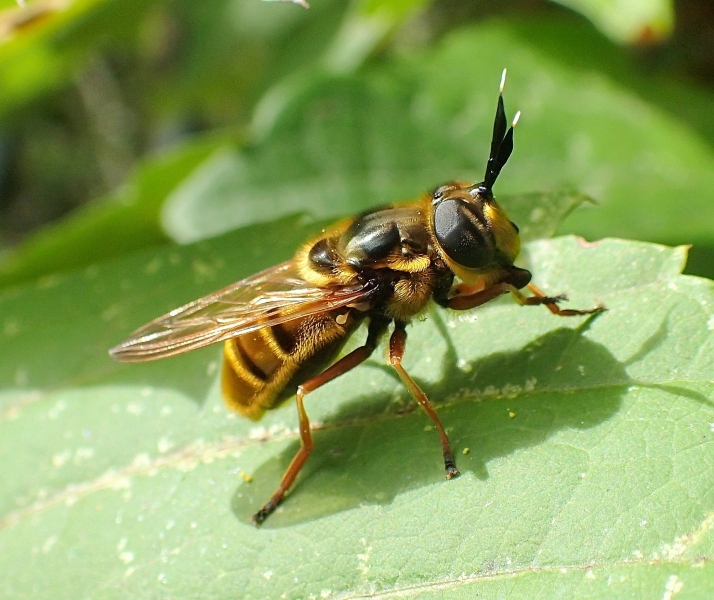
{"points": [[628, 21], [585, 444]]}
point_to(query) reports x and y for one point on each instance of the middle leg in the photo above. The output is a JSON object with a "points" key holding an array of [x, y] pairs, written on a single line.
{"points": [[397, 344]]}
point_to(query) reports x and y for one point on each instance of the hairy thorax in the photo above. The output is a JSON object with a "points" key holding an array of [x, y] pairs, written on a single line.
{"points": [[389, 247]]}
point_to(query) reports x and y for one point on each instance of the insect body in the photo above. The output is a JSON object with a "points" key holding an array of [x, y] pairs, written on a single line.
{"points": [[283, 327]]}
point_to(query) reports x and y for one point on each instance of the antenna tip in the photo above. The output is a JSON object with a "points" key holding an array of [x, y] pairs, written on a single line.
{"points": [[503, 81], [515, 119]]}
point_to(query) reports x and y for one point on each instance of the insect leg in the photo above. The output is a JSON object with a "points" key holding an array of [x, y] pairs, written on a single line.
{"points": [[467, 301], [551, 303], [397, 344], [346, 363]]}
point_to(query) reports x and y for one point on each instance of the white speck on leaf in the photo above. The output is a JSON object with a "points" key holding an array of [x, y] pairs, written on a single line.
{"points": [[59, 407], [710, 323], [111, 312], [11, 328], [153, 266], [268, 574], [126, 557], [22, 378], [363, 560], [675, 550], [60, 458], [83, 453], [590, 574], [122, 544], [537, 214], [164, 444], [134, 408], [141, 461], [49, 542], [202, 270], [511, 390], [672, 587], [258, 433]]}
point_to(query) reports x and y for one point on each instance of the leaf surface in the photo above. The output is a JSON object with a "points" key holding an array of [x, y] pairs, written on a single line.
{"points": [[584, 444]]}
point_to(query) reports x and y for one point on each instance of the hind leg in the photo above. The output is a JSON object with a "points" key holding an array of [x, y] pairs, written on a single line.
{"points": [[342, 366]]}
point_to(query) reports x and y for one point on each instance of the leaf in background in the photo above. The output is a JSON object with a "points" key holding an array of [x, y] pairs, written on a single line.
{"points": [[367, 26], [652, 174], [54, 37], [126, 221], [575, 43], [342, 144], [589, 471], [352, 142], [302, 3], [628, 21]]}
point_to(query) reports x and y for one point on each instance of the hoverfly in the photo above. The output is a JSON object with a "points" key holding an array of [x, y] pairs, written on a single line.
{"points": [[283, 327]]}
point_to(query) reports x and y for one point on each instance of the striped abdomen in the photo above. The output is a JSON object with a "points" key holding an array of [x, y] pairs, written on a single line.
{"points": [[263, 368]]}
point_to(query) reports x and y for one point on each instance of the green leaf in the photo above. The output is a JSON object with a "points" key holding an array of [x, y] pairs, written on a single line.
{"points": [[628, 21], [343, 145], [348, 143], [589, 471], [127, 220], [339, 145]]}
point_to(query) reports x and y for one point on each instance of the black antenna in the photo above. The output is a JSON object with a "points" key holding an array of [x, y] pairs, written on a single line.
{"points": [[501, 142]]}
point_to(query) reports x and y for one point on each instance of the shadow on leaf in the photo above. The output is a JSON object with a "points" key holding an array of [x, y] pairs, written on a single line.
{"points": [[493, 406]]}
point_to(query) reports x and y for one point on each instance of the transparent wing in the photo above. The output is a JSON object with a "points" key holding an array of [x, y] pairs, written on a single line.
{"points": [[268, 298]]}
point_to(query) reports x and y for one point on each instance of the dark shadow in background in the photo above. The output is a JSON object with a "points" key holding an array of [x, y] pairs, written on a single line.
{"points": [[700, 261]]}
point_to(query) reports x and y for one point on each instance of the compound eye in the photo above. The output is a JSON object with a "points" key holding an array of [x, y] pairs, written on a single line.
{"points": [[463, 233]]}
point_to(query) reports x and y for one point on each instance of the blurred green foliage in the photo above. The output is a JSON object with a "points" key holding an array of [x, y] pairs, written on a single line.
{"points": [[130, 123]]}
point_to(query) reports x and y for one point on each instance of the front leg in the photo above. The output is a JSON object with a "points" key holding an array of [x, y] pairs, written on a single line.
{"points": [[467, 301], [551, 303]]}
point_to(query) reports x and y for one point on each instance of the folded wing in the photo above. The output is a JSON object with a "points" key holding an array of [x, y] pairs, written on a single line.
{"points": [[268, 298]]}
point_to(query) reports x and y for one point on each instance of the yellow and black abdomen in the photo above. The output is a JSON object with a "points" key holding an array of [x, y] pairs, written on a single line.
{"points": [[263, 368]]}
